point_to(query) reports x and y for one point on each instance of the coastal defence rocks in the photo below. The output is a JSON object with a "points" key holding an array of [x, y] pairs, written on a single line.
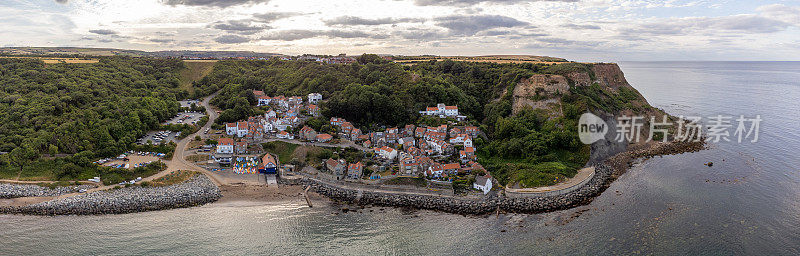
{"points": [[534, 204], [198, 190], [9, 190]]}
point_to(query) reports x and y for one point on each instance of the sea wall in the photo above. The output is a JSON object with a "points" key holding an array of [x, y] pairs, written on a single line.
{"points": [[458, 205], [198, 190], [10, 190]]}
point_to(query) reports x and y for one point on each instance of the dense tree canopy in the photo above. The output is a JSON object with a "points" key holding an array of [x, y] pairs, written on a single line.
{"points": [[69, 108]]}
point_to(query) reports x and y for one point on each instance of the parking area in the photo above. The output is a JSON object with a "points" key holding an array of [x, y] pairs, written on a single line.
{"points": [[185, 118], [133, 161], [188, 103], [158, 137]]}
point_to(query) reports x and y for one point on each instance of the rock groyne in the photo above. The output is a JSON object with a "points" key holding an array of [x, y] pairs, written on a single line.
{"points": [[10, 190], [468, 206], [198, 190]]}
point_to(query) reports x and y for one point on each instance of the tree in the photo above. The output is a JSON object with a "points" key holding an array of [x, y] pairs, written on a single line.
{"points": [[21, 156]]}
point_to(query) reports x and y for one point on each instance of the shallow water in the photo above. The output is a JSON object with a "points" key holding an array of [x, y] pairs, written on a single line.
{"points": [[747, 203]]}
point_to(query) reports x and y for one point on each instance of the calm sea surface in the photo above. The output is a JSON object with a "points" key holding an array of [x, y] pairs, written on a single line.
{"points": [[747, 203]]}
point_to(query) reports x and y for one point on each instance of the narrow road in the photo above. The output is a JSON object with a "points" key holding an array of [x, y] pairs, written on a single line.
{"points": [[179, 162]]}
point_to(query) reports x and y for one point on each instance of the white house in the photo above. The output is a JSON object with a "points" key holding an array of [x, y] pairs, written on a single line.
{"points": [[483, 183], [441, 110], [386, 152], [270, 114], [241, 129], [285, 135], [314, 98], [264, 100], [225, 146], [231, 129], [467, 142]]}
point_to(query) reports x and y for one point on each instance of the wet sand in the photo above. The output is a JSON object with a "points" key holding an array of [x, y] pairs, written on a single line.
{"points": [[261, 193]]}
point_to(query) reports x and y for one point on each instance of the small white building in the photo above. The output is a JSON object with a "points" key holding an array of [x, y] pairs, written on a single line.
{"points": [[314, 98], [483, 183], [241, 129]]}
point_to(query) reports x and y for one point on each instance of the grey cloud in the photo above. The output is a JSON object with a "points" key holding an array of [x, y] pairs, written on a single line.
{"points": [[273, 16], [747, 23], [211, 3], [245, 27], [474, 2], [62, 1], [103, 31], [161, 40], [231, 39], [577, 26], [352, 20], [291, 35], [470, 25], [420, 34]]}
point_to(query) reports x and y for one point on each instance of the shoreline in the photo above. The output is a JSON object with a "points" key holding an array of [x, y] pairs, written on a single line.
{"points": [[200, 190]]}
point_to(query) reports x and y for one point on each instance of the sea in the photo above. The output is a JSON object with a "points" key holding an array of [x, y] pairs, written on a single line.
{"points": [[747, 202]]}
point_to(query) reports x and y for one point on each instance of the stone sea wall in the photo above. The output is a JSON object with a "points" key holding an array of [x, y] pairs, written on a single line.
{"points": [[9, 190], [583, 195], [196, 191]]}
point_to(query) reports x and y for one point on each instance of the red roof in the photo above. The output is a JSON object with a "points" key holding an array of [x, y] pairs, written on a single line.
{"points": [[225, 141], [432, 109], [324, 136], [451, 107], [230, 124], [268, 159], [451, 166]]}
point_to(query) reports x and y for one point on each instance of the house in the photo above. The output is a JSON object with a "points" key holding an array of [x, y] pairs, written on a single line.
{"points": [[441, 110], [324, 137], [386, 152], [468, 142], [295, 100], [307, 133], [408, 131], [419, 132], [258, 93], [392, 130], [409, 164], [314, 98], [263, 100], [439, 146], [346, 127], [241, 129], [285, 135], [483, 183], [472, 131], [225, 146], [335, 121], [355, 134], [354, 170], [431, 136], [270, 114], [268, 165], [336, 167], [407, 142], [313, 110], [231, 129], [241, 147], [455, 132], [467, 154], [367, 143]]}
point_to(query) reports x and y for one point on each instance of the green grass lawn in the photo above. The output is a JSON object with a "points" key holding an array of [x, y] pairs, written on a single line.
{"points": [[282, 149]]}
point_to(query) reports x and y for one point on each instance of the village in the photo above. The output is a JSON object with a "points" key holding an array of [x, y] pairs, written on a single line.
{"points": [[439, 155]]}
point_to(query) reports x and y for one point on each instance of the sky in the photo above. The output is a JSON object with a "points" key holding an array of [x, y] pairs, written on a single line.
{"points": [[581, 30]]}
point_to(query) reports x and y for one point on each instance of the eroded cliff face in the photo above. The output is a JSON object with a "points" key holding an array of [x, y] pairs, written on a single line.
{"points": [[541, 90]]}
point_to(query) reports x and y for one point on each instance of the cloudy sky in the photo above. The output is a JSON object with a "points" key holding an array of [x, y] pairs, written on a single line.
{"points": [[584, 30]]}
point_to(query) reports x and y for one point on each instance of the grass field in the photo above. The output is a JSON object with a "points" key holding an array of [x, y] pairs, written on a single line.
{"points": [[55, 60], [194, 71]]}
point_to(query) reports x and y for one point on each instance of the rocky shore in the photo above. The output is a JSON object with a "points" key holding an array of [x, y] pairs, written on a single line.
{"points": [[467, 206], [9, 190], [605, 173], [198, 190]]}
